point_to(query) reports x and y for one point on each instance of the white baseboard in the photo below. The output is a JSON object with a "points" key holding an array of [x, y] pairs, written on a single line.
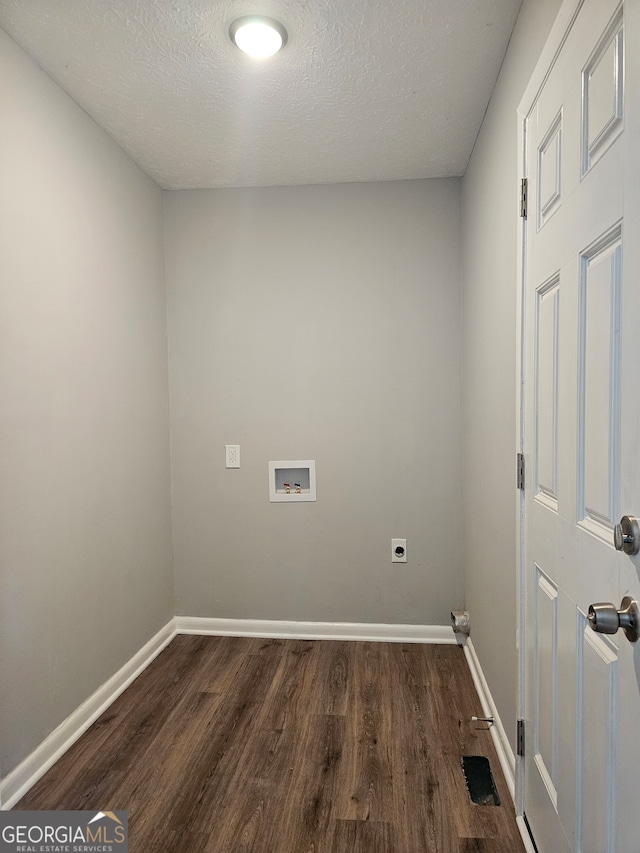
{"points": [[35, 765], [26, 774], [268, 628], [500, 740], [524, 832]]}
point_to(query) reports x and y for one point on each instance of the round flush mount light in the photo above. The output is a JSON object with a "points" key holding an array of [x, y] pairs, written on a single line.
{"points": [[259, 37]]}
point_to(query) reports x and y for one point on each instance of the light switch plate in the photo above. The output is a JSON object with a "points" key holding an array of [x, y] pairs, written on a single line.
{"points": [[232, 455]]}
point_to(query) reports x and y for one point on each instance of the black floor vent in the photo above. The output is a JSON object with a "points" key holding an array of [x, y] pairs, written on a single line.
{"points": [[479, 779]]}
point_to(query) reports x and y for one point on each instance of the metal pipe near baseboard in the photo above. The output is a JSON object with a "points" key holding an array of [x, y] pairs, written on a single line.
{"points": [[460, 622]]}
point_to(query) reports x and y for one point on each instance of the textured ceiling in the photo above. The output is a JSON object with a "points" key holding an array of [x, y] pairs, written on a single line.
{"points": [[364, 90]]}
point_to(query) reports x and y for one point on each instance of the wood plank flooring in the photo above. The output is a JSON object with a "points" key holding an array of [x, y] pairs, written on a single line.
{"points": [[290, 746]]}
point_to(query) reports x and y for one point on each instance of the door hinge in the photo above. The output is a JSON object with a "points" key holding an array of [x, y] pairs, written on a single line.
{"points": [[520, 738], [524, 192], [520, 470]]}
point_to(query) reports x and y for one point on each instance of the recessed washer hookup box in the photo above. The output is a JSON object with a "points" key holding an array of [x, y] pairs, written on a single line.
{"points": [[292, 480]]}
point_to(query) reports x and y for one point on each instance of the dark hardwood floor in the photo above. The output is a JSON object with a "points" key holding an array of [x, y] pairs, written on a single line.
{"points": [[290, 746]]}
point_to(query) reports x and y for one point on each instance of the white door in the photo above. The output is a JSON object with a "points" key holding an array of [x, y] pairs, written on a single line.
{"points": [[581, 430]]}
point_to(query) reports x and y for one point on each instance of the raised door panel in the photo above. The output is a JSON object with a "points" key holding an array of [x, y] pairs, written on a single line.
{"points": [[599, 368], [549, 189], [603, 94], [545, 738], [546, 392], [596, 724]]}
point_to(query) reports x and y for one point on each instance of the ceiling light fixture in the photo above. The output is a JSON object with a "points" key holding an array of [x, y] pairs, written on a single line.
{"points": [[259, 37]]}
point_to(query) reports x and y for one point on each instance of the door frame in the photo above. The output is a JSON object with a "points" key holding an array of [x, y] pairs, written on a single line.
{"points": [[564, 21]]}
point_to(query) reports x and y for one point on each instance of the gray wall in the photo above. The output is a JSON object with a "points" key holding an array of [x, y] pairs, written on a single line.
{"points": [[321, 322], [317, 322], [490, 197], [85, 550]]}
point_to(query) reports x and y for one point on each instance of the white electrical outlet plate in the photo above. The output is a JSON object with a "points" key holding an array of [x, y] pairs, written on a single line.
{"points": [[233, 455], [398, 550]]}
